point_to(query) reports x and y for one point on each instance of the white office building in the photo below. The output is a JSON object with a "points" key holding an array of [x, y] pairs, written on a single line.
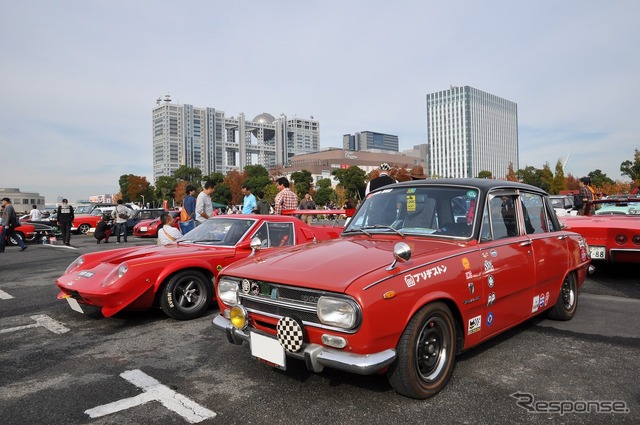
{"points": [[205, 138], [469, 131]]}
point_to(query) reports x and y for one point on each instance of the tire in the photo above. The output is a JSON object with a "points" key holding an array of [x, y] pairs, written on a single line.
{"points": [[186, 295], [83, 229], [567, 303], [11, 239], [425, 353]]}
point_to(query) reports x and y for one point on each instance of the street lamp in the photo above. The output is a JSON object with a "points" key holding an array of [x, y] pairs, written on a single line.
{"points": [[142, 201]]}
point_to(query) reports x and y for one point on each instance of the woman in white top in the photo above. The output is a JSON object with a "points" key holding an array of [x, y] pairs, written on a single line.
{"points": [[167, 234]]}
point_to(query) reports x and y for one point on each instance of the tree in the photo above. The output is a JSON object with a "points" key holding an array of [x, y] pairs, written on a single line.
{"points": [[632, 169], [256, 177], [353, 180], [166, 188], [546, 177], [303, 180], [511, 174], [484, 174], [325, 192], [123, 182], [599, 179], [137, 187], [223, 194], [233, 180], [216, 178], [558, 182], [189, 174]]}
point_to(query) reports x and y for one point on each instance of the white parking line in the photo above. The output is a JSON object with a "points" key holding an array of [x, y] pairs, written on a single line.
{"points": [[191, 411], [60, 246], [42, 320], [4, 295]]}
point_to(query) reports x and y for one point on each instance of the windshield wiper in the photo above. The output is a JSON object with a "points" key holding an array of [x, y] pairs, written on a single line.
{"points": [[382, 226], [205, 240]]}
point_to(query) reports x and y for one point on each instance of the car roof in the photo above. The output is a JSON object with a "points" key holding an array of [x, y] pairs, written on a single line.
{"points": [[482, 184]]}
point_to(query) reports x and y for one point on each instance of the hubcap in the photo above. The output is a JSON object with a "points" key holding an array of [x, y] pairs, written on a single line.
{"points": [[568, 294]]}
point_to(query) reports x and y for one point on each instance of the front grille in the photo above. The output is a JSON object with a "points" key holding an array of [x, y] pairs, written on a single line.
{"points": [[275, 310]]}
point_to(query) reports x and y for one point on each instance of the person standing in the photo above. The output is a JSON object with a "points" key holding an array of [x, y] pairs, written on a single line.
{"points": [[307, 204], [9, 223], [121, 215], [189, 204], [262, 206], [249, 200], [383, 179], [65, 220], [585, 193], [204, 206], [35, 214], [285, 199], [103, 229]]}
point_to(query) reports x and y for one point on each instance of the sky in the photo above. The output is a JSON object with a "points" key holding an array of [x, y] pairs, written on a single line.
{"points": [[79, 78]]}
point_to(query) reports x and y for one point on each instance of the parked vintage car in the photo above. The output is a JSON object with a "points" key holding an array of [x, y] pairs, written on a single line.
{"points": [[178, 277], [424, 270], [563, 205], [26, 231], [149, 228], [83, 222], [143, 214], [612, 229]]}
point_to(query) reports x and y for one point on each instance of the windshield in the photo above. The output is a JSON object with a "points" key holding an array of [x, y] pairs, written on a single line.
{"points": [[219, 231], [425, 210], [620, 207]]}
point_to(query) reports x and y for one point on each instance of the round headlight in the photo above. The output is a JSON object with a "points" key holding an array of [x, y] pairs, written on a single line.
{"points": [[228, 291], [337, 312]]}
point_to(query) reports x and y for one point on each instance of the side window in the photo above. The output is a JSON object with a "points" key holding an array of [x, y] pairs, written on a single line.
{"points": [[504, 216], [275, 234], [535, 214]]}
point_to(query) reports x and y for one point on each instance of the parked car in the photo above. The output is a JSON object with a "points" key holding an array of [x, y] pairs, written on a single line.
{"points": [[26, 231], [83, 222], [149, 228], [178, 277], [143, 214], [563, 205], [611, 228], [412, 281]]}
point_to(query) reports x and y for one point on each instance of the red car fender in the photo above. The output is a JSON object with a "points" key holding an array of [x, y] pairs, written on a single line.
{"points": [[181, 265]]}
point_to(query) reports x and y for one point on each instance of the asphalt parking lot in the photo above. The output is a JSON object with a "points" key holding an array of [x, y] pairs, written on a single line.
{"points": [[61, 367]]}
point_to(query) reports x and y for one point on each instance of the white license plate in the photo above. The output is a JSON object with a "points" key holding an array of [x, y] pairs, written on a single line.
{"points": [[268, 349], [143, 229], [74, 305], [597, 252]]}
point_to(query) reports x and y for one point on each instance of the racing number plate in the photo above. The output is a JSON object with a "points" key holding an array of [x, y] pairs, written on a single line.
{"points": [[268, 350], [597, 252]]}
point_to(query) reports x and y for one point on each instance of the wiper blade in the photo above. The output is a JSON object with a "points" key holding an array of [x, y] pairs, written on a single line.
{"points": [[357, 230], [382, 226]]}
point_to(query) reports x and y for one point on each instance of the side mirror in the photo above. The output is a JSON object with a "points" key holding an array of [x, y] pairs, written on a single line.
{"points": [[255, 245], [402, 253]]}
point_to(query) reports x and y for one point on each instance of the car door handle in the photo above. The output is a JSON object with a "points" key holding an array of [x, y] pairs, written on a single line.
{"points": [[561, 237], [525, 243]]}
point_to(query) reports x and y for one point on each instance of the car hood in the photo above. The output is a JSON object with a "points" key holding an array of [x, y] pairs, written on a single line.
{"points": [[336, 264], [603, 221], [167, 253]]}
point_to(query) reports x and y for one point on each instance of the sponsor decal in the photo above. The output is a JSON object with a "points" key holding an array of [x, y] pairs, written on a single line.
{"points": [[542, 303], [485, 254], [474, 325], [469, 274], [491, 299], [488, 266], [219, 267], [490, 281], [414, 279], [493, 253], [465, 263], [411, 203], [472, 194], [472, 289], [536, 302], [546, 297], [471, 300], [490, 319]]}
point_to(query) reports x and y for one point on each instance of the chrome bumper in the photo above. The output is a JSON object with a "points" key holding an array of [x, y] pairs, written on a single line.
{"points": [[316, 356]]}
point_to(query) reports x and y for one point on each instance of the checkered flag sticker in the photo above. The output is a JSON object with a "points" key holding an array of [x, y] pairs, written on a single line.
{"points": [[290, 334]]}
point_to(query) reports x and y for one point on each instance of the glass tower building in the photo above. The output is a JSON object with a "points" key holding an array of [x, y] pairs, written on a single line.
{"points": [[469, 131]]}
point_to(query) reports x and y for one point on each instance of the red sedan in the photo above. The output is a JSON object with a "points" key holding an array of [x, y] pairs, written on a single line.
{"points": [[178, 277], [424, 270]]}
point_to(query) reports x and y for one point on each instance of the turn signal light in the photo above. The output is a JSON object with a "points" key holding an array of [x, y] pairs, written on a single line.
{"points": [[238, 317]]}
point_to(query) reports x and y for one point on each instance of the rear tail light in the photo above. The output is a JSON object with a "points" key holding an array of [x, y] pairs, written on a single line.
{"points": [[621, 239], [636, 239]]}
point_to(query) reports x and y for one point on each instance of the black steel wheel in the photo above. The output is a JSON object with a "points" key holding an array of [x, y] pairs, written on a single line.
{"points": [[425, 353], [186, 295], [567, 302]]}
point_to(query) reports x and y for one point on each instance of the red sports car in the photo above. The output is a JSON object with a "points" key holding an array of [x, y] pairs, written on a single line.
{"points": [[425, 269], [178, 277], [611, 228], [149, 228]]}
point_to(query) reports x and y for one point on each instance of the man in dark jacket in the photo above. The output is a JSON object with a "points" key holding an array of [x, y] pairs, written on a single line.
{"points": [[383, 179], [65, 220], [103, 229], [9, 222]]}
